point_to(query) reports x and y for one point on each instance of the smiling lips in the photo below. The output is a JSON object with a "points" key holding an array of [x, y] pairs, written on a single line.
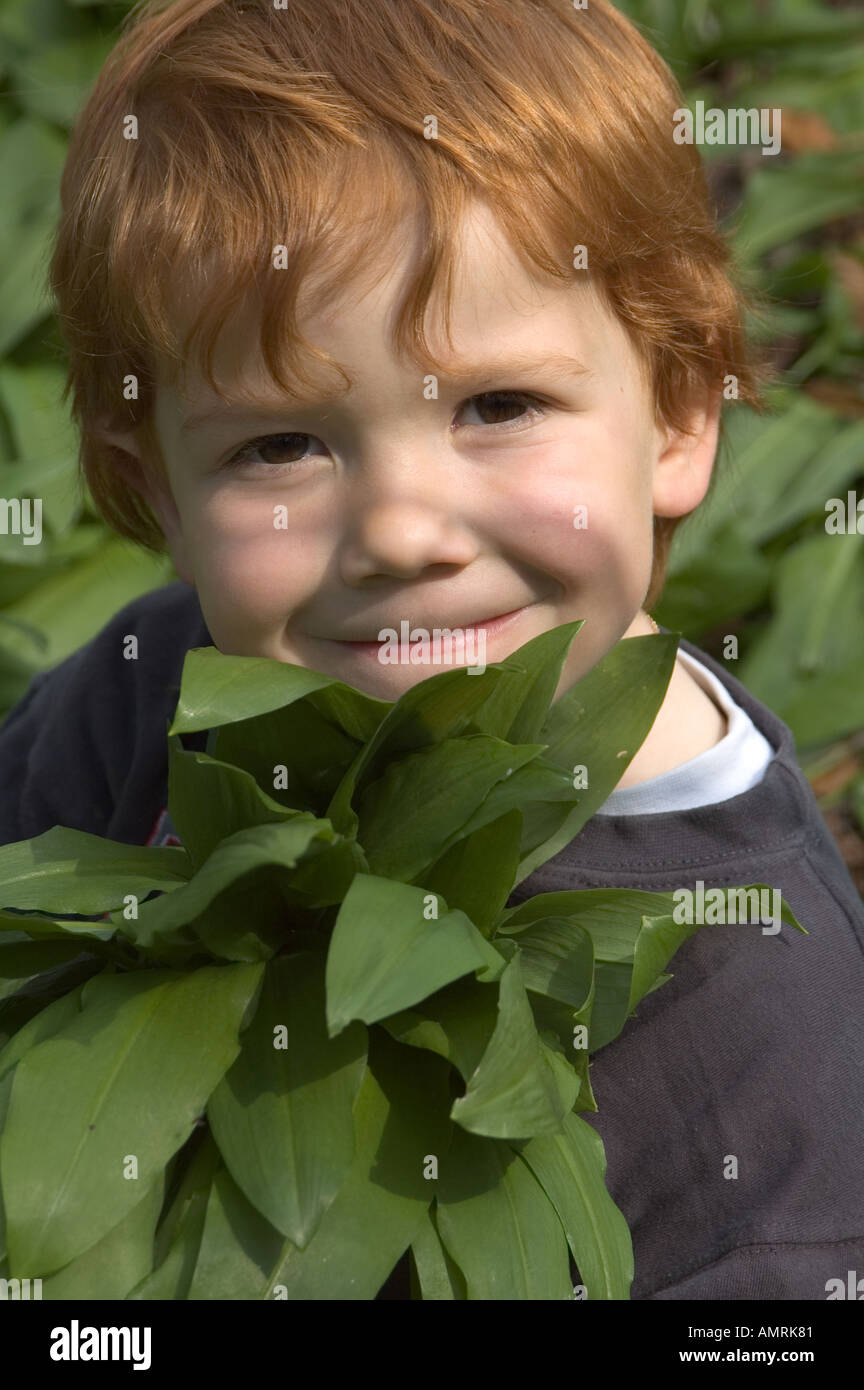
{"points": [[489, 625]]}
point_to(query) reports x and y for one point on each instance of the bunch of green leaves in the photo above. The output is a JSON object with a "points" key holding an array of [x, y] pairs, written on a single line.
{"points": [[316, 1037]]}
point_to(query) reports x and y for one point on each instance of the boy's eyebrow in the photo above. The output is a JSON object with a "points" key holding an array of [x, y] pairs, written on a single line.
{"points": [[557, 366], [554, 367]]}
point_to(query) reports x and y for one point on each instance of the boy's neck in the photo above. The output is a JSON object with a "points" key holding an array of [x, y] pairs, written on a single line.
{"points": [[688, 722]]}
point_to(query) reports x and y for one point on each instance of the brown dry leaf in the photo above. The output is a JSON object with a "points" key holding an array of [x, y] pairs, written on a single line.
{"points": [[837, 776], [850, 273], [838, 396], [849, 842], [803, 131]]}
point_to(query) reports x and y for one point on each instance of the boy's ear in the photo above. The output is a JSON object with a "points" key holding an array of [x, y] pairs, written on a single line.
{"points": [[126, 460], [683, 466]]}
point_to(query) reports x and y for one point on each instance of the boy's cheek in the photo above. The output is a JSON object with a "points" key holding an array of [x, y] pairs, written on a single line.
{"points": [[578, 531], [253, 582]]}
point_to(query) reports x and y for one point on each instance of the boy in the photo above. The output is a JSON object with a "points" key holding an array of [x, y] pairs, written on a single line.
{"points": [[304, 172]]}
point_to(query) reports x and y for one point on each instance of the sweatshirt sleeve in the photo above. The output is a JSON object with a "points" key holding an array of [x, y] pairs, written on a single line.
{"points": [[19, 799], [86, 746]]}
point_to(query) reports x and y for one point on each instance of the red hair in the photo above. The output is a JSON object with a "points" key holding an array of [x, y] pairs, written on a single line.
{"points": [[304, 127]]}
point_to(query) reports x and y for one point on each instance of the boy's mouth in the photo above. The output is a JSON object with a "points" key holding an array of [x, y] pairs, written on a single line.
{"points": [[489, 626]]}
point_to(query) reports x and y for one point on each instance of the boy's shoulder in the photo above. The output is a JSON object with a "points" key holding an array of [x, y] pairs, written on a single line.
{"points": [[727, 836], [78, 748], [731, 1106], [772, 833]]}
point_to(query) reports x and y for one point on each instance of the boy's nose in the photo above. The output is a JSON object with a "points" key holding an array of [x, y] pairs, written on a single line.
{"points": [[403, 535]]}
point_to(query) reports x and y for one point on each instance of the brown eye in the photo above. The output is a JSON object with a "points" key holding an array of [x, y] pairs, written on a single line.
{"points": [[279, 447], [275, 450], [504, 407]]}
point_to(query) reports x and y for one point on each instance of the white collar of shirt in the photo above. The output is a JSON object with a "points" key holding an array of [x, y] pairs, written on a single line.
{"points": [[734, 765]]}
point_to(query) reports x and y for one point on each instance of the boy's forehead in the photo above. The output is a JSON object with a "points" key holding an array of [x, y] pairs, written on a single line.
{"points": [[504, 312]]}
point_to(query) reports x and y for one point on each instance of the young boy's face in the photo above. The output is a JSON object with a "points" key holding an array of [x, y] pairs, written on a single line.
{"points": [[394, 504]]}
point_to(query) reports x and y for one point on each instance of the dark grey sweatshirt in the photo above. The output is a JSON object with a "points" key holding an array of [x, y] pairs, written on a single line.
{"points": [[731, 1107]]}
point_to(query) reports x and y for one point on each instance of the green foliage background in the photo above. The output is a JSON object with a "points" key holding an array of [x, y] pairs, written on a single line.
{"points": [[755, 561]]}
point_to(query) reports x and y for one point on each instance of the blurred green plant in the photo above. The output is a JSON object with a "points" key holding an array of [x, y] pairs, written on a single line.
{"points": [[758, 546], [56, 595], [757, 549]]}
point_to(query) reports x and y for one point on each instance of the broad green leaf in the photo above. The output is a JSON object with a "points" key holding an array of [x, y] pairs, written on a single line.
{"points": [[743, 32], [25, 24], [37, 993], [599, 724], [556, 1023], [828, 473], [72, 606], [69, 871], [400, 1125], [498, 1225], [44, 1025], [517, 707], [477, 873], [439, 1277], [523, 787], [20, 573], [44, 440], [31, 397], [507, 695], [571, 1169], [728, 575], [178, 1239], [21, 961], [831, 86], [352, 711], [192, 1170], [53, 80], [414, 1029], [567, 1080], [437, 708], [282, 1116], [613, 920], [557, 959], [238, 1246], [31, 157], [104, 989], [808, 664], [210, 800], [761, 459], [457, 1022], [217, 689], [424, 801], [611, 916], [514, 1092], [5, 1092], [658, 940], [42, 928], [620, 922], [264, 861], [661, 937], [112, 1267], [784, 202], [387, 954], [314, 753], [95, 1093]]}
